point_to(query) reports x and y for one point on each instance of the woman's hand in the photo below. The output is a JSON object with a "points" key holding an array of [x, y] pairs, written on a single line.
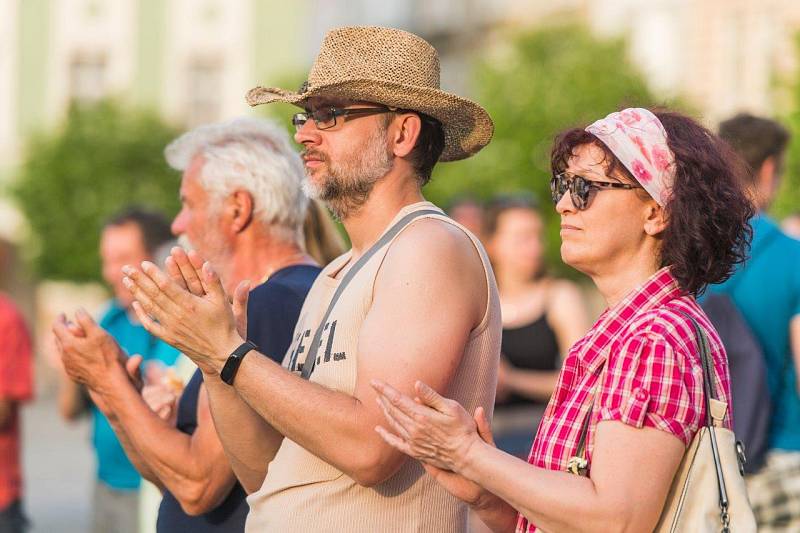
{"points": [[441, 435], [456, 484], [429, 428]]}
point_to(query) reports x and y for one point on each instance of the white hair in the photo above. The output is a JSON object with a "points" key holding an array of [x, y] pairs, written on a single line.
{"points": [[255, 155]]}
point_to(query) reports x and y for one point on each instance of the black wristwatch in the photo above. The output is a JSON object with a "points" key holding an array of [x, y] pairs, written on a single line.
{"points": [[228, 372]]}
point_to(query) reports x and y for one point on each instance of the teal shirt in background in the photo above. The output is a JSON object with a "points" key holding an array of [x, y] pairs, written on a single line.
{"points": [[766, 289], [113, 466]]}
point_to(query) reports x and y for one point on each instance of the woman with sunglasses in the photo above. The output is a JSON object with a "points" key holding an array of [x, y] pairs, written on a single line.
{"points": [[652, 210], [543, 316]]}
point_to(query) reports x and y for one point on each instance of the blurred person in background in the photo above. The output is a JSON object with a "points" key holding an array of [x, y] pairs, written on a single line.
{"points": [[766, 290], [791, 225], [132, 235], [243, 207], [633, 191], [542, 318], [468, 212], [16, 387]]}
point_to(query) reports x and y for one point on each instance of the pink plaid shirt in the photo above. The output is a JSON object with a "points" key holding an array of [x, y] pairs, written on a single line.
{"points": [[642, 358]]}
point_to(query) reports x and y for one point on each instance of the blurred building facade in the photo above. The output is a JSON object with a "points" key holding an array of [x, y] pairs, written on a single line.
{"points": [[192, 60], [722, 56]]}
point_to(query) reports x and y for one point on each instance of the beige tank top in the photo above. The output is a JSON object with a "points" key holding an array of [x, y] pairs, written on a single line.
{"points": [[304, 493]]}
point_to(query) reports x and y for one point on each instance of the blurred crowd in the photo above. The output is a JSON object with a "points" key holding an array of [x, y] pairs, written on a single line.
{"points": [[245, 211]]}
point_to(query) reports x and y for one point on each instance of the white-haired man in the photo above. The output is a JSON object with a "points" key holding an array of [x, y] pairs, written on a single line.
{"points": [[414, 301], [243, 208]]}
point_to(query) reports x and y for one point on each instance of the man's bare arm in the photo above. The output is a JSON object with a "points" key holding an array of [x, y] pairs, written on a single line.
{"points": [[130, 450], [249, 441], [192, 467], [412, 288]]}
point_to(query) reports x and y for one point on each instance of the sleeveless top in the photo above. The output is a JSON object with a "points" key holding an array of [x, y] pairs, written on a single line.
{"points": [[304, 493], [532, 346]]}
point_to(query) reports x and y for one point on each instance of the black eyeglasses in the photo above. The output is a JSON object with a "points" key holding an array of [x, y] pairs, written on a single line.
{"points": [[325, 117], [580, 189]]}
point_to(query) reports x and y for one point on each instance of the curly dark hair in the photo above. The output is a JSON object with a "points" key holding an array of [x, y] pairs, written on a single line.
{"points": [[708, 231]]}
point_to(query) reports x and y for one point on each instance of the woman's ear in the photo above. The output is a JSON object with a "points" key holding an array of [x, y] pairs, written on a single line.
{"points": [[656, 219]]}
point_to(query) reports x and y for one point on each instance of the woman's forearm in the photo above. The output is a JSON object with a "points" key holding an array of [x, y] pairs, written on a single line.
{"points": [[554, 501]]}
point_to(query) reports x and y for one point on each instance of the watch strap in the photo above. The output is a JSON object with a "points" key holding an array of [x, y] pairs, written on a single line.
{"points": [[228, 372]]}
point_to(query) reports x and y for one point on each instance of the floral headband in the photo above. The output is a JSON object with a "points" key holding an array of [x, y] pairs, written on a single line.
{"points": [[639, 141]]}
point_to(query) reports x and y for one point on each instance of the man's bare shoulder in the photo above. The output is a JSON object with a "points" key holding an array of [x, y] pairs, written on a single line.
{"points": [[435, 242], [433, 264]]}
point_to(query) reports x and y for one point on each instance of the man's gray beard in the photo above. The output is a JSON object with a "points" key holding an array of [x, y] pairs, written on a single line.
{"points": [[218, 251], [347, 186], [184, 242]]}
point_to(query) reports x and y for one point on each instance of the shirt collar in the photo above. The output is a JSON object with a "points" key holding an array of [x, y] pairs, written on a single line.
{"points": [[659, 289]]}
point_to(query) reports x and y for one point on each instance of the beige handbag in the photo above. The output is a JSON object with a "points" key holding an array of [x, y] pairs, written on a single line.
{"points": [[708, 492]]}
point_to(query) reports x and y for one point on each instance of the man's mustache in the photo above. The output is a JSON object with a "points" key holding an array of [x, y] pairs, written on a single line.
{"points": [[313, 154]]}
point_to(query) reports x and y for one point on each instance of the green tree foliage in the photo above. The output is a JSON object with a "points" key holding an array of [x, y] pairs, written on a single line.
{"points": [[787, 201], [540, 84], [104, 159]]}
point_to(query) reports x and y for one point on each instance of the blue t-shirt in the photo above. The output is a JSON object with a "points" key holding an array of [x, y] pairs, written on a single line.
{"points": [[766, 289], [113, 466], [272, 312]]}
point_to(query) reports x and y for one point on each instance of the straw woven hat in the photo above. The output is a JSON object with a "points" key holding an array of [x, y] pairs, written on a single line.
{"points": [[394, 68]]}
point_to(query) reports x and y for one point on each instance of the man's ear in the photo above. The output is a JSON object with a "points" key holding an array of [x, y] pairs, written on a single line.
{"points": [[405, 131], [241, 207], [656, 219]]}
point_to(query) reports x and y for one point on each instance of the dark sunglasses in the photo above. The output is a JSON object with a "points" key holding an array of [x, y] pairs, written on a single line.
{"points": [[580, 189], [325, 117]]}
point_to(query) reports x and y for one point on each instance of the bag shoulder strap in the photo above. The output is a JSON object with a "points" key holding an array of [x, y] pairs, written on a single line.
{"points": [[709, 389], [710, 399], [311, 358]]}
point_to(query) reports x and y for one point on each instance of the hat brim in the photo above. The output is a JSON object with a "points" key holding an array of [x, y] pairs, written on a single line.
{"points": [[467, 126]]}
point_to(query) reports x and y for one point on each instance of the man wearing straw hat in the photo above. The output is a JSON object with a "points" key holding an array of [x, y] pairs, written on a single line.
{"points": [[414, 299]]}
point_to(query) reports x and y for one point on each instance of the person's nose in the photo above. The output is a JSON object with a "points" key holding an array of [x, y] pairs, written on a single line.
{"points": [[178, 226], [308, 133], [565, 205]]}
